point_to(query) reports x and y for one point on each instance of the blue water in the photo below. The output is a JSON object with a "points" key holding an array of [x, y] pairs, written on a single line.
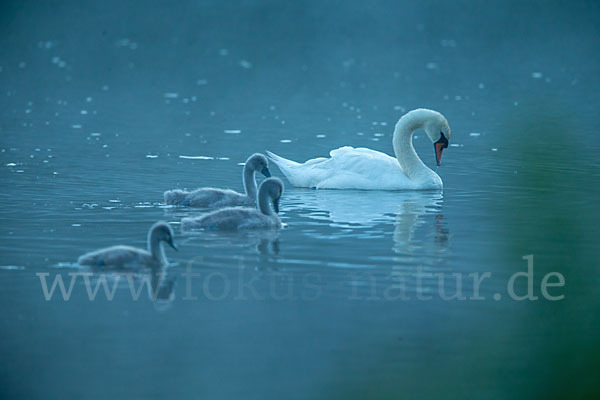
{"points": [[104, 107]]}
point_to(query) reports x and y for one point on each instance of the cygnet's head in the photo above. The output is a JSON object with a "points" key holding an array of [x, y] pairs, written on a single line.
{"points": [[274, 189], [162, 232], [258, 162], [438, 131]]}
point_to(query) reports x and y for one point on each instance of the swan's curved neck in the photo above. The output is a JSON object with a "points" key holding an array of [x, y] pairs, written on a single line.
{"points": [[263, 203], [249, 182], [407, 157], [156, 249]]}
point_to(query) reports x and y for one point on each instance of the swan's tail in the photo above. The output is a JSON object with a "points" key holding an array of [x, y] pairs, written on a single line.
{"points": [[175, 197], [286, 166]]}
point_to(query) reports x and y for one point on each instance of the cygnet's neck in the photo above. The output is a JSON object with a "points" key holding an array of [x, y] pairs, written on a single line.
{"points": [[407, 157], [155, 247], [263, 202], [249, 182]]}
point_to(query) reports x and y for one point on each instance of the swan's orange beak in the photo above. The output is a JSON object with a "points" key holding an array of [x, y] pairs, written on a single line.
{"points": [[439, 147]]}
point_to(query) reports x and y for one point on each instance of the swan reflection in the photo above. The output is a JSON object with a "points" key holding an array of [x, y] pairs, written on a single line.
{"points": [[420, 226], [161, 290], [416, 215]]}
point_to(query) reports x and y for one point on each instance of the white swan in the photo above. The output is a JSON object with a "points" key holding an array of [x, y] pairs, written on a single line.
{"points": [[217, 198], [124, 258], [243, 218], [361, 168]]}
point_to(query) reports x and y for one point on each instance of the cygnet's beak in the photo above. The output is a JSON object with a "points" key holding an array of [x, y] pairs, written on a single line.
{"points": [[276, 205], [439, 146], [265, 171], [170, 242]]}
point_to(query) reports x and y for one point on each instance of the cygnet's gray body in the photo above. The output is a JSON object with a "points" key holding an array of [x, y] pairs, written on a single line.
{"points": [[218, 198], [243, 218], [132, 258]]}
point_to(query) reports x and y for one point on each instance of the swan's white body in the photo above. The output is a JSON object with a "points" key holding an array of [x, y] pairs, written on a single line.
{"points": [[362, 168]]}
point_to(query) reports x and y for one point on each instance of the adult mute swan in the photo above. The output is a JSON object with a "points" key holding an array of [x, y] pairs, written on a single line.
{"points": [[361, 168], [217, 198], [243, 218], [124, 258]]}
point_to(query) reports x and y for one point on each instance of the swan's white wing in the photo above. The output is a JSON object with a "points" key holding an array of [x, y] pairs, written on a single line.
{"points": [[347, 168], [362, 161]]}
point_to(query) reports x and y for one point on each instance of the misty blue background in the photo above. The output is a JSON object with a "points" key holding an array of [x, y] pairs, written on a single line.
{"points": [[99, 100]]}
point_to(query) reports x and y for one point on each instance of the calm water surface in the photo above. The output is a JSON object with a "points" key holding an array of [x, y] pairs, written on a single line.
{"points": [[349, 299]]}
